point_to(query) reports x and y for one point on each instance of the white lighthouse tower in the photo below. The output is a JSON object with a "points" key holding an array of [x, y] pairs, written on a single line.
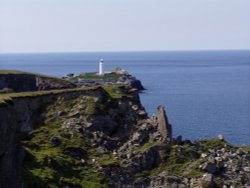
{"points": [[101, 72]]}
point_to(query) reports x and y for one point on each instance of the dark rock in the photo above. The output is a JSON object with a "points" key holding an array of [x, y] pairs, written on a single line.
{"points": [[178, 140], [148, 159], [187, 142], [134, 83], [49, 161], [210, 168], [55, 141], [101, 150], [77, 153]]}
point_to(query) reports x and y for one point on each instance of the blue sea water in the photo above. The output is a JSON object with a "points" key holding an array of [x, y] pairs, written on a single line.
{"points": [[205, 93]]}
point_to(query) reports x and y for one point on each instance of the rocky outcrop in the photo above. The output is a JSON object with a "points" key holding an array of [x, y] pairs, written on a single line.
{"points": [[22, 115], [163, 126], [102, 137], [116, 126], [21, 82], [114, 77]]}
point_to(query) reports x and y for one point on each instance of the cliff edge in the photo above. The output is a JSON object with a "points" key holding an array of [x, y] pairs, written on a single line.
{"points": [[17, 81]]}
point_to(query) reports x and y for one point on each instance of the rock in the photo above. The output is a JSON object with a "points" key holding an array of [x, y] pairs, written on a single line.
{"points": [[147, 160], [240, 152], [83, 161], [49, 161], [178, 140], [246, 169], [142, 113], [55, 141], [221, 137], [207, 177], [139, 138], [203, 155], [24, 82], [101, 150], [164, 127], [61, 113], [210, 168], [77, 153], [69, 75], [187, 142], [135, 107], [74, 114], [211, 159], [138, 153], [129, 155], [134, 83]]}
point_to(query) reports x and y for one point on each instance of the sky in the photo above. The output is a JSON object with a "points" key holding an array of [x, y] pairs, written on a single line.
{"points": [[123, 25]]}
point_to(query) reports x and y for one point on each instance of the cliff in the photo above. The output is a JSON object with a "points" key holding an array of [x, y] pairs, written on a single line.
{"points": [[70, 129], [102, 137], [16, 81]]}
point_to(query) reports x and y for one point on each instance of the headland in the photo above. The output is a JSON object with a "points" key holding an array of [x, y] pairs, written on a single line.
{"points": [[76, 135]]}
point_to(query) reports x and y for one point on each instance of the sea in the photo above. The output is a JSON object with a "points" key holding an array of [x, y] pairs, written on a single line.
{"points": [[205, 93]]}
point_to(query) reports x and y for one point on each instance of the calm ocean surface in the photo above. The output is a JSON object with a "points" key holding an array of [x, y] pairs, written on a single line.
{"points": [[204, 93]]}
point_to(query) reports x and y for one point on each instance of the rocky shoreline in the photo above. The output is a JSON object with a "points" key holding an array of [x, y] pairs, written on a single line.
{"points": [[101, 136]]}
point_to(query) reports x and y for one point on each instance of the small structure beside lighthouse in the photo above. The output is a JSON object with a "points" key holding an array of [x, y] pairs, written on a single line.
{"points": [[101, 72]]}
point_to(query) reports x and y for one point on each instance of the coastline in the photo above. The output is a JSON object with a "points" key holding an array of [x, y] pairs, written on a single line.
{"points": [[105, 133]]}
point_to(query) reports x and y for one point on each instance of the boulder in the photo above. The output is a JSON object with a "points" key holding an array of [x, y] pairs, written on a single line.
{"points": [[210, 168]]}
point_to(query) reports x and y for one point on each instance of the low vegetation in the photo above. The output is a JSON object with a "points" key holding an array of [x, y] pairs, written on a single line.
{"points": [[50, 166], [107, 77], [73, 161], [14, 72]]}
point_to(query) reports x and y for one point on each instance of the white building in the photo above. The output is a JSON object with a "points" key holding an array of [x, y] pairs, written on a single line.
{"points": [[101, 72]]}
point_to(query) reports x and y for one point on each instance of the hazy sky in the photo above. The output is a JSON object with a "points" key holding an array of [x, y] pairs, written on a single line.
{"points": [[123, 25]]}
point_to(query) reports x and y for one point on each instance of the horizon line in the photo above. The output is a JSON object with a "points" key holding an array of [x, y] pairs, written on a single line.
{"points": [[124, 51]]}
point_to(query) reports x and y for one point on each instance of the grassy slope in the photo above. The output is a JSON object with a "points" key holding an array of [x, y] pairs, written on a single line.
{"points": [[52, 166], [108, 77], [14, 72]]}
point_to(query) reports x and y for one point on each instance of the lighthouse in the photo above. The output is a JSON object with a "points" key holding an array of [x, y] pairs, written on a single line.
{"points": [[101, 72]]}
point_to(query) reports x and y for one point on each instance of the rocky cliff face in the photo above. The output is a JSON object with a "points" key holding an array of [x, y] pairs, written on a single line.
{"points": [[105, 123], [20, 82], [102, 137]]}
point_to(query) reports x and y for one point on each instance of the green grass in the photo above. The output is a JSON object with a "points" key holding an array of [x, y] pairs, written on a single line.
{"points": [[49, 166], [4, 72], [113, 91], [179, 157], [175, 162], [14, 72], [214, 143], [108, 77], [9, 96], [62, 169], [117, 92]]}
